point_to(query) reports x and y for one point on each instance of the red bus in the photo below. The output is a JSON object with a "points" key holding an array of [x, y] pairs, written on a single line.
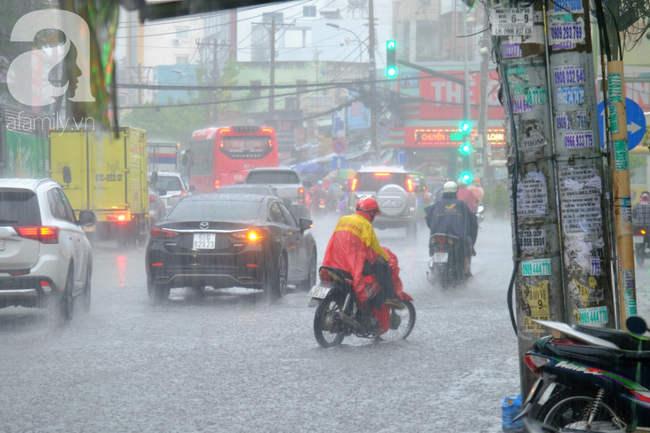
{"points": [[223, 156]]}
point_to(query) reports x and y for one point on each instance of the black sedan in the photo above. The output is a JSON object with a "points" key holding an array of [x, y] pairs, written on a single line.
{"points": [[230, 240]]}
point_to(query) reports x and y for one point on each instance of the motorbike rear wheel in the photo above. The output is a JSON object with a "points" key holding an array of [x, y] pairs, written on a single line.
{"points": [[404, 321], [567, 407], [328, 328]]}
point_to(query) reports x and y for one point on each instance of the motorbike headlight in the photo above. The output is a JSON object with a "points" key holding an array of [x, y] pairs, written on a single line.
{"points": [[480, 209]]}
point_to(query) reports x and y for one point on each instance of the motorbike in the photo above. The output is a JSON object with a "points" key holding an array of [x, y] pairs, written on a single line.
{"points": [[591, 379], [480, 214], [446, 262], [641, 244], [339, 314]]}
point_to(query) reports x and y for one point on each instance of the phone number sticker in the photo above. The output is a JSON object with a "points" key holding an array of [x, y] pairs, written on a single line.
{"points": [[570, 95], [570, 74], [568, 120], [562, 32], [512, 22], [573, 140]]}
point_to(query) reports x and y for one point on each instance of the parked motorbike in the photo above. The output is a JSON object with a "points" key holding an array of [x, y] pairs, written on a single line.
{"points": [[591, 379], [446, 264], [339, 313], [641, 244], [480, 214]]}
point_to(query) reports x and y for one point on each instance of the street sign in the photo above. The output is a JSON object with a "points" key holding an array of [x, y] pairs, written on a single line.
{"points": [[635, 123], [338, 163], [339, 147], [401, 156]]}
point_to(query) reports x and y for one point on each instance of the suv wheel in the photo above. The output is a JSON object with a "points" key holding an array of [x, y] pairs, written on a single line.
{"points": [[87, 287], [66, 304]]}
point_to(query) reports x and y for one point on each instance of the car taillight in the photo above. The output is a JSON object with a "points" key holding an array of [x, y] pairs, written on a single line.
{"points": [[162, 233], [217, 184], [183, 193], [382, 174], [43, 234], [534, 362], [409, 184], [119, 217], [353, 187], [301, 195], [643, 231], [254, 236]]}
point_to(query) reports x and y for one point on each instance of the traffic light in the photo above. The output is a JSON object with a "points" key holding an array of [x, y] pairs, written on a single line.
{"points": [[465, 127], [466, 177], [391, 68], [466, 149]]}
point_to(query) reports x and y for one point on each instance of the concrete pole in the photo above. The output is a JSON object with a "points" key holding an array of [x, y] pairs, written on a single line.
{"points": [[272, 80], [371, 77], [538, 285], [580, 174], [622, 200]]}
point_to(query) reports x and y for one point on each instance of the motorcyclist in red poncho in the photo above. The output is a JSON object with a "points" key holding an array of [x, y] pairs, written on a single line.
{"points": [[354, 248]]}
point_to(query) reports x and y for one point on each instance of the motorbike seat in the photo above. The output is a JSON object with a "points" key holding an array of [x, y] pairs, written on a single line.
{"points": [[338, 274], [625, 363], [622, 339]]}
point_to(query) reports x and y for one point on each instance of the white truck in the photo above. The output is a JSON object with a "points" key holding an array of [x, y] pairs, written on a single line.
{"points": [[287, 184]]}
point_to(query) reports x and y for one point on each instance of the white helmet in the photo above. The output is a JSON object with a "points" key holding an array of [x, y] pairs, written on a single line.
{"points": [[449, 187]]}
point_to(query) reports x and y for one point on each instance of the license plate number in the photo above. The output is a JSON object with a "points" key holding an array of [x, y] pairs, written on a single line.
{"points": [[440, 257], [322, 206], [319, 292], [88, 229], [2, 245], [204, 241], [638, 239]]}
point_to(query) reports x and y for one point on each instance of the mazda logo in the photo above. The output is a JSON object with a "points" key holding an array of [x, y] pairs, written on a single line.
{"points": [[204, 225]]}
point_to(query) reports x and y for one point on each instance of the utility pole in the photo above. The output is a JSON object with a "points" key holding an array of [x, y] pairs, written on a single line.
{"points": [[371, 78], [215, 76], [272, 80], [483, 108], [589, 298], [538, 289]]}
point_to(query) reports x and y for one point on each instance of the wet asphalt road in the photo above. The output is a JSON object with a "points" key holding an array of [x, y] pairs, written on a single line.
{"points": [[233, 363]]}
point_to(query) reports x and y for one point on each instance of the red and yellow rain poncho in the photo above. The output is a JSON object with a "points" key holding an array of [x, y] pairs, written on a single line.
{"points": [[353, 243]]}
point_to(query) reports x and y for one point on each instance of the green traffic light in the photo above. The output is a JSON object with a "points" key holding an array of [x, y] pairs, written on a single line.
{"points": [[391, 72], [391, 45], [466, 177], [466, 149], [465, 126]]}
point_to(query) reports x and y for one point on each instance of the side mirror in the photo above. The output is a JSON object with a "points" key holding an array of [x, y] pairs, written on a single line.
{"points": [[185, 157], [154, 178], [162, 192], [87, 218], [636, 325], [305, 224], [307, 184], [67, 175], [192, 188]]}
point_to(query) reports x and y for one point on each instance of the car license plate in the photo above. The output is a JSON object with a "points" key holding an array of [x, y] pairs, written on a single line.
{"points": [[319, 292], [440, 257], [88, 229], [638, 239], [2, 245], [204, 241], [322, 206]]}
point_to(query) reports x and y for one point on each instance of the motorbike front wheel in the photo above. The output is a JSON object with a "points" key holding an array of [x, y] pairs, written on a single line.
{"points": [[568, 408], [328, 327]]}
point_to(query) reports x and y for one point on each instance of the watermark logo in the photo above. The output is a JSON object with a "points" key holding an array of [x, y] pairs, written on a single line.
{"points": [[37, 90]]}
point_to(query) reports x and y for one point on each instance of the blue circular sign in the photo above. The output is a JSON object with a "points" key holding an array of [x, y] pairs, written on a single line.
{"points": [[635, 123], [339, 147]]}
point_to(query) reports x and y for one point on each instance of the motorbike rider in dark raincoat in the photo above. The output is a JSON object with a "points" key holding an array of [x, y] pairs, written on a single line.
{"points": [[451, 216]]}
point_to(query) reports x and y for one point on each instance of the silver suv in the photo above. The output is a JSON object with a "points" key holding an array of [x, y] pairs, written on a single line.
{"points": [[393, 189], [45, 257], [170, 186]]}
